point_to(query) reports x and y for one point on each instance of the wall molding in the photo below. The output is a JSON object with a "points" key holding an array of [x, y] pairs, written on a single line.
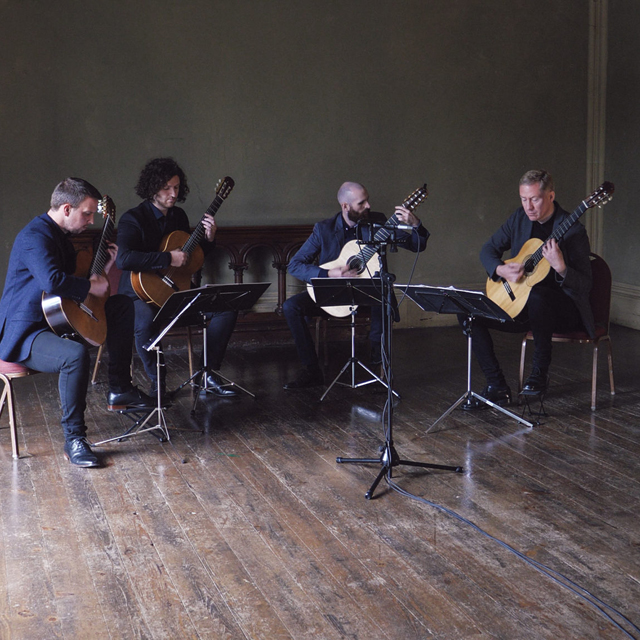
{"points": [[596, 115]]}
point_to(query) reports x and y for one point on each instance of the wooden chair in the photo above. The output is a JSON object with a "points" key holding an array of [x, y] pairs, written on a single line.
{"points": [[9, 371], [601, 305]]}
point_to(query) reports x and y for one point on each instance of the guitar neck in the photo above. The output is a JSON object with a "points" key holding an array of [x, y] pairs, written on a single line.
{"points": [[557, 235], [383, 234], [198, 233], [101, 255]]}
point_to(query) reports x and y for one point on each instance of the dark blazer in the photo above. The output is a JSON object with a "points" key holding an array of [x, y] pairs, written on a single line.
{"points": [[42, 259], [139, 238], [574, 246], [327, 239]]}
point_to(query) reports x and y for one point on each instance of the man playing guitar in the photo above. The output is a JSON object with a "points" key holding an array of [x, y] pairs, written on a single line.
{"points": [[324, 245], [558, 303], [162, 184], [43, 259]]}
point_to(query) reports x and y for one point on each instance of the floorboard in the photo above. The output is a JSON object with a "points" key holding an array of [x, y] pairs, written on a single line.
{"points": [[243, 526]]}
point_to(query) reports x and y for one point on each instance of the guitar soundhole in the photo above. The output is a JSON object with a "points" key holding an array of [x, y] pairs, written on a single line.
{"points": [[529, 267], [355, 263]]}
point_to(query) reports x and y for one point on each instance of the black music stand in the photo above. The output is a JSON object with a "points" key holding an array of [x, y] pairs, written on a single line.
{"points": [[474, 304], [350, 292], [139, 425], [206, 300]]}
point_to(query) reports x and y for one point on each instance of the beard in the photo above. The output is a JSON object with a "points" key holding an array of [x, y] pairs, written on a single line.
{"points": [[356, 217]]}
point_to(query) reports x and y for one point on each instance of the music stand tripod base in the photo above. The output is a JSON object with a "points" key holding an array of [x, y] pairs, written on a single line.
{"points": [[193, 307], [473, 304], [351, 293]]}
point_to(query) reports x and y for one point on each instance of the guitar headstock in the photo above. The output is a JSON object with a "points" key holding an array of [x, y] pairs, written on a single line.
{"points": [[416, 198], [224, 187], [602, 195], [106, 208]]}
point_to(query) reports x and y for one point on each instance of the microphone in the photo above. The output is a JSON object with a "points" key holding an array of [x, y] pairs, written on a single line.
{"points": [[403, 227]]}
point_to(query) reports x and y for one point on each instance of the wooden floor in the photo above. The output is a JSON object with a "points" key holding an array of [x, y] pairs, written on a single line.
{"points": [[251, 529]]}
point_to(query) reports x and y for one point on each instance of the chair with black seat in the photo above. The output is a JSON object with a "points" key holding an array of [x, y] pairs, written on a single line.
{"points": [[600, 299]]}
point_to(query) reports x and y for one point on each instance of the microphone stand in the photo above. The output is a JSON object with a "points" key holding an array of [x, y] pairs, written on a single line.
{"points": [[389, 457]]}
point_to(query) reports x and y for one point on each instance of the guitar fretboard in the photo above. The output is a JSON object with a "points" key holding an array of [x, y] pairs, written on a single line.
{"points": [[383, 234]]}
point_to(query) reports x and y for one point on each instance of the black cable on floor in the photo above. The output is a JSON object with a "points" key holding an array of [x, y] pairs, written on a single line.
{"points": [[557, 577]]}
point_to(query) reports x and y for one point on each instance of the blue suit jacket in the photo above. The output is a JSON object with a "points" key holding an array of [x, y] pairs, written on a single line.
{"points": [[327, 239], [42, 259], [574, 246]]}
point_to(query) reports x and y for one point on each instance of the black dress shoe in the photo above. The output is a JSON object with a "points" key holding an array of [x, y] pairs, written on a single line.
{"points": [[498, 394], [131, 399], [78, 452], [216, 385], [375, 356], [306, 378], [536, 383]]}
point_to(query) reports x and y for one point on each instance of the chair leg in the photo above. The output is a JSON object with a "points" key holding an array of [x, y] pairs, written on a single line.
{"points": [[7, 397], [610, 361], [97, 364], [523, 354], [594, 377]]}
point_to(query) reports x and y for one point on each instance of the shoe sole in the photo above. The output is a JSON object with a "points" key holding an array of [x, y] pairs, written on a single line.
{"points": [[124, 407], [92, 465]]}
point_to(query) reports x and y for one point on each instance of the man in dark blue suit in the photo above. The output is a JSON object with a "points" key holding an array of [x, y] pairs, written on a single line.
{"points": [[324, 245], [559, 303], [43, 259]]}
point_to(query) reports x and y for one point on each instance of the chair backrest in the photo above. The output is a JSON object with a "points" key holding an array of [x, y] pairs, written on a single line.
{"points": [[600, 297]]}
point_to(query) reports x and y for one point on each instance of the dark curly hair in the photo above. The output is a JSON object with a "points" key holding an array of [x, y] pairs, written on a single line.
{"points": [[156, 174]]}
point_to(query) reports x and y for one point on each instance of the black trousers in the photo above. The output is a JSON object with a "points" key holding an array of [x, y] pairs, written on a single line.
{"points": [[52, 354], [297, 309], [219, 332], [548, 311]]}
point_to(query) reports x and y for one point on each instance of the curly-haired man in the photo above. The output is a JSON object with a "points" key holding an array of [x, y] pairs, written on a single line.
{"points": [[162, 183]]}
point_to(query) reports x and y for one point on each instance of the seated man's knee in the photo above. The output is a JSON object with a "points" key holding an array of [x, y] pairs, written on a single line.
{"points": [[76, 355]]}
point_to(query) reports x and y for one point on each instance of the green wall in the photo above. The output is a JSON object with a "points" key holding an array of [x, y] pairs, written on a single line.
{"points": [[622, 219], [293, 97]]}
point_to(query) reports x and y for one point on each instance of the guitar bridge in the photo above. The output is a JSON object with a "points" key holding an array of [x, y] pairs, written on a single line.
{"points": [[170, 283], [509, 290]]}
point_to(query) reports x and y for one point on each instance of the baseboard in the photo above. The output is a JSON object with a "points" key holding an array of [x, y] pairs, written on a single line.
{"points": [[625, 305]]}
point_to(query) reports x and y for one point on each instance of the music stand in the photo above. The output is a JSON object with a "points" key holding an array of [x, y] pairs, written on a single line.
{"points": [[474, 304], [204, 301], [161, 425], [350, 292]]}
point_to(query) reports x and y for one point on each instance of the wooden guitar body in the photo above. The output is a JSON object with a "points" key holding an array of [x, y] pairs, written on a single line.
{"points": [[68, 318], [513, 296], [157, 286], [350, 255]]}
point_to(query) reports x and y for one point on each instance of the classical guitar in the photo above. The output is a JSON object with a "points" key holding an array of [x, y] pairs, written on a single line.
{"points": [[85, 320], [158, 286], [512, 296], [362, 258]]}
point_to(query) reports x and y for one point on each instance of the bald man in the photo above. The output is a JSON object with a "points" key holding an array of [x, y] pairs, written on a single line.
{"points": [[324, 245]]}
